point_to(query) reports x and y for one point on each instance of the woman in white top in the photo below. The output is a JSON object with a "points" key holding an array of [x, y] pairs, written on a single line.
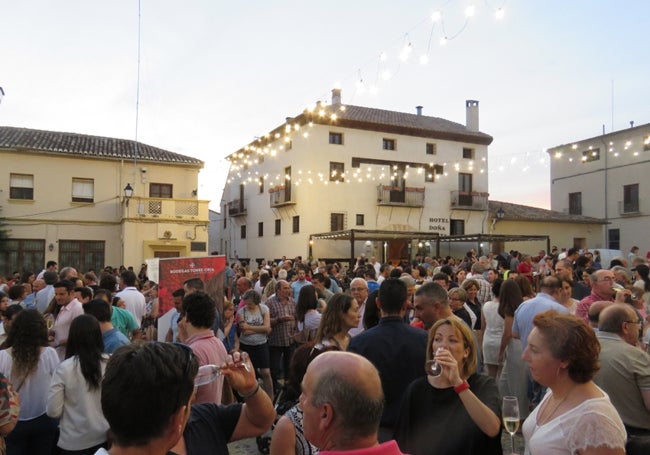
{"points": [[575, 416], [492, 327], [29, 363], [75, 390]]}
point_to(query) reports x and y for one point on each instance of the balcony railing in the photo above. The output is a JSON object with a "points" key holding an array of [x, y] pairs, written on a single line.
{"points": [[398, 196], [469, 200], [281, 195], [628, 208], [237, 207], [170, 209]]}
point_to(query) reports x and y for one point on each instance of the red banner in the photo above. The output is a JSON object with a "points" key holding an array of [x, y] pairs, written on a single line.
{"points": [[173, 272]]}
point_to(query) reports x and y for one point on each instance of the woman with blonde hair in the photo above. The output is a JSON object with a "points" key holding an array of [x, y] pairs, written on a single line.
{"points": [[457, 411]]}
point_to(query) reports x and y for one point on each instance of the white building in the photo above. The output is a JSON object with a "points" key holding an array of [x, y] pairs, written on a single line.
{"points": [[603, 177], [339, 168]]}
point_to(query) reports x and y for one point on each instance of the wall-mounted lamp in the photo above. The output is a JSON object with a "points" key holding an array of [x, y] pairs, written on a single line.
{"points": [[50, 247], [128, 193], [194, 193], [498, 216]]}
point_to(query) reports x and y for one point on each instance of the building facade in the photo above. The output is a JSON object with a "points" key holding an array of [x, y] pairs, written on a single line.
{"points": [[89, 201], [337, 167], [603, 177]]}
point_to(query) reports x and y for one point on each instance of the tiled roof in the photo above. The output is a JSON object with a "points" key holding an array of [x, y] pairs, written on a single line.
{"points": [[516, 212], [404, 123], [74, 144]]}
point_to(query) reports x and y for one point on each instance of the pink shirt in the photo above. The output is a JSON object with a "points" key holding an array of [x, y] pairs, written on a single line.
{"points": [[210, 351], [387, 448], [62, 323]]}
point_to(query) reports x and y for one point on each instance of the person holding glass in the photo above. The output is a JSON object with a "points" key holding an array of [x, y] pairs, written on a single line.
{"points": [[575, 416], [458, 411]]}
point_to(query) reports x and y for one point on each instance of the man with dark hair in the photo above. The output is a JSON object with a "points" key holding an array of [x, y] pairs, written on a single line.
{"points": [[320, 282], [134, 300], [50, 266], [193, 285], [84, 294], [159, 415], [112, 337], [199, 310], [70, 309], [177, 297], [342, 403], [624, 368], [397, 350]]}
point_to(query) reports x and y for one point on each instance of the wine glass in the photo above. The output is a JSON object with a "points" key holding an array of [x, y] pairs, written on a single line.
{"points": [[510, 414], [209, 373]]}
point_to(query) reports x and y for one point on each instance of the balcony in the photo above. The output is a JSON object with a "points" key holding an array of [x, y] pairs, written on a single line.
{"points": [[282, 195], [237, 207], [167, 209], [628, 208], [469, 200], [400, 197]]}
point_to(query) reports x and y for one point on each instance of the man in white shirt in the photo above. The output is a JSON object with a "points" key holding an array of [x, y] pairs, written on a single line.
{"points": [[133, 299]]}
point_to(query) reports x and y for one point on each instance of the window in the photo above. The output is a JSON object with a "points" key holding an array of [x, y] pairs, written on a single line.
{"points": [[22, 254], [278, 227], [468, 153], [456, 227], [361, 219], [85, 254], [575, 203], [225, 213], [242, 231], [83, 190], [337, 172], [21, 186], [336, 138], [432, 171], [614, 239], [160, 190], [631, 198], [646, 144], [296, 224], [432, 149], [389, 144], [261, 185], [288, 145], [590, 155], [337, 221], [260, 229], [198, 246]]}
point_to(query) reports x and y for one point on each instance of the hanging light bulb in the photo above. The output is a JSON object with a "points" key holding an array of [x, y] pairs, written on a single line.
{"points": [[499, 14]]}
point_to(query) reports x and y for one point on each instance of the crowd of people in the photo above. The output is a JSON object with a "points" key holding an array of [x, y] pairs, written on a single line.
{"points": [[376, 358]]}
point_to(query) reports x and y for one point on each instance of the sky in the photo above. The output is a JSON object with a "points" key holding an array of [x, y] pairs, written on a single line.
{"points": [[215, 74]]}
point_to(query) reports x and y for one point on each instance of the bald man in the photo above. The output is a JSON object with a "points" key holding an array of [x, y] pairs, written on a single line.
{"points": [[624, 368], [342, 403]]}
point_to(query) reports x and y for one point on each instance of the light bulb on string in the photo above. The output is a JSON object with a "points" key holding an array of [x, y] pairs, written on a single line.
{"points": [[436, 16], [499, 13], [470, 11], [424, 59]]}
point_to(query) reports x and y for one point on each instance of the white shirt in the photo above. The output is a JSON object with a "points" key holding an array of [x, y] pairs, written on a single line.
{"points": [[134, 302], [82, 423], [33, 390]]}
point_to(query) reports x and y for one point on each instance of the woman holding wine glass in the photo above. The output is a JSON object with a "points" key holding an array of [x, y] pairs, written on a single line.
{"points": [[575, 416], [456, 411]]}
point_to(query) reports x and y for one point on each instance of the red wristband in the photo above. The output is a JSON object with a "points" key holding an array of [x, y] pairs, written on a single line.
{"points": [[461, 387]]}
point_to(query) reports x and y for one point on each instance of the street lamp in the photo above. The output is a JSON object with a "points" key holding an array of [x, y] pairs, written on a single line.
{"points": [[128, 193], [501, 213]]}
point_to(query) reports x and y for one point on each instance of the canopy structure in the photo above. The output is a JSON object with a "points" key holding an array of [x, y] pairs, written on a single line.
{"points": [[353, 235]]}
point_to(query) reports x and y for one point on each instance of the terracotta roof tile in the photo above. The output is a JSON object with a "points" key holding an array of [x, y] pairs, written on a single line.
{"points": [[84, 145], [516, 212]]}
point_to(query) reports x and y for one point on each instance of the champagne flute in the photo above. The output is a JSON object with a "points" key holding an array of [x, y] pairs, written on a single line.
{"points": [[510, 414]]}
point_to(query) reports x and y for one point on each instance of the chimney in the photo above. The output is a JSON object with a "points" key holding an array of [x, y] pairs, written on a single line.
{"points": [[336, 96], [418, 109], [471, 115]]}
